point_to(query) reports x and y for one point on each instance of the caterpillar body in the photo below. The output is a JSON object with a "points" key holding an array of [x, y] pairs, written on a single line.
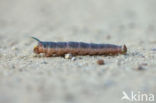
{"points": [[77, 48]]}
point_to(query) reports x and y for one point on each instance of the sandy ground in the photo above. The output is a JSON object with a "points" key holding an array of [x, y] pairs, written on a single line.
{"points": [[28, 79]]}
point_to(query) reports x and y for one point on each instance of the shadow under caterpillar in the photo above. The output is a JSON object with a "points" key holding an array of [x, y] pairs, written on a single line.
{"points": [[77, 48]]}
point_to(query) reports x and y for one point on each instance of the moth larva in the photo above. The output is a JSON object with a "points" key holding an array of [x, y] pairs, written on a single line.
{"points": [[77, 48]]}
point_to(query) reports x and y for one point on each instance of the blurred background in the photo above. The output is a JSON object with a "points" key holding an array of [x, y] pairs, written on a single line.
{"points": [[83, 19], [24, 79]]}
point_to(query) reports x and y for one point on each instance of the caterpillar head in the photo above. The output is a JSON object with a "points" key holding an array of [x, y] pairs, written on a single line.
{"points": [[36, 50]]}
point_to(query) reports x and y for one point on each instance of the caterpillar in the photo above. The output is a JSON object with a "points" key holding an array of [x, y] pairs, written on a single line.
{"points": [[77, 48]]}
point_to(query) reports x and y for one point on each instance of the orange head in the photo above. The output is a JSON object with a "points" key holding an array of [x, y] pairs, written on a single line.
{"points": [[36, 50]]}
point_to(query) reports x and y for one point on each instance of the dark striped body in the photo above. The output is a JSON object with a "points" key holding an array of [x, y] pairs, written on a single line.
{"points": [[78, 48], [77, 45]]}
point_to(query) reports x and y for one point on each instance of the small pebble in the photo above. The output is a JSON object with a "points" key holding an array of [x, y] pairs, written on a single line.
{"points": [[100, 62], [108, 37], [68, 56], [73, 59], [12, 66], [44, 62], [140, 67]]}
